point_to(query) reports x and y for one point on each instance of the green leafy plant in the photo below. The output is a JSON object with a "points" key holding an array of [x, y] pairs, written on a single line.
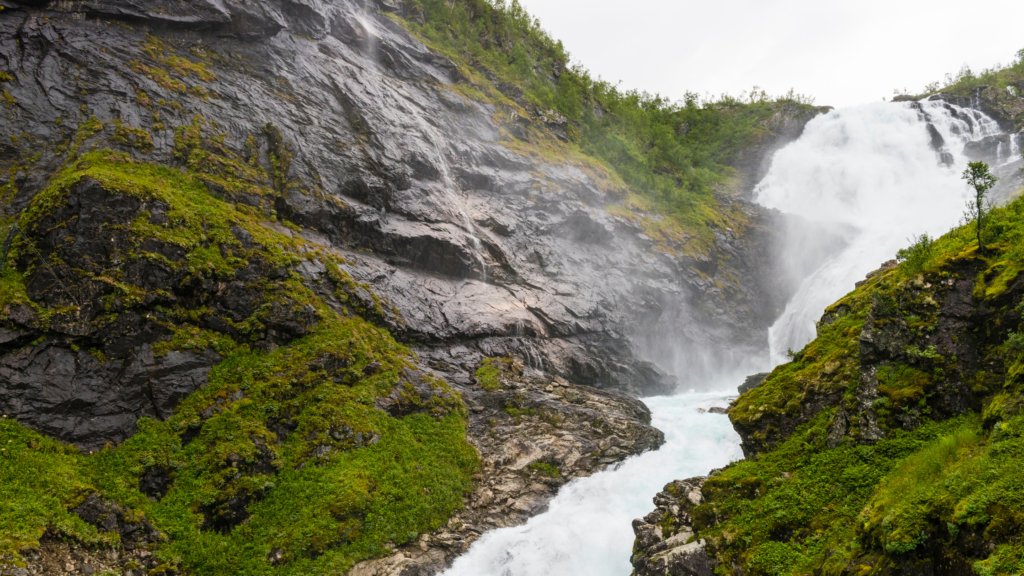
{"points": [[917, 255]]}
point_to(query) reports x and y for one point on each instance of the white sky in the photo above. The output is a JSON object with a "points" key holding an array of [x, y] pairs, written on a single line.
{"points": [[841, 52]]}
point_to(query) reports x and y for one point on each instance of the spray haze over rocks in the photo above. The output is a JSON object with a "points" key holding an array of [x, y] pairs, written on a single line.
{"points": [[475, 244], [303, 286], [882, 173], [225, 211]]}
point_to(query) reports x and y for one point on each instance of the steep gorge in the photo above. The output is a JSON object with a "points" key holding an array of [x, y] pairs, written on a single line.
{"points": [[889, 444], [267, 247]]}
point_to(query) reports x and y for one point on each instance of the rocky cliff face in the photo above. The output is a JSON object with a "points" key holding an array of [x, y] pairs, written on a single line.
{"points": [[369, 143], [224, 213]]}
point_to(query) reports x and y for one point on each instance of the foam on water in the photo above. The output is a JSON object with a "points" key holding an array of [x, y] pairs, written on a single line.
{"points": [[588, 526], [872, 170]]}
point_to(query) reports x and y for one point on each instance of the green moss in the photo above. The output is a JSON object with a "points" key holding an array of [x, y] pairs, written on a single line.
{"points": [[39, 479], [488, 375], [135, 137], [158, 75], [294, 434], [826, 366], [804, 495], [517, 407], [546, 469], [183, 67], [356, 294], [84, 131]]}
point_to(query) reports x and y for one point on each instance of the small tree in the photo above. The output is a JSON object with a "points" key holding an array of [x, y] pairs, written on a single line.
{"points": [[978, 176]]}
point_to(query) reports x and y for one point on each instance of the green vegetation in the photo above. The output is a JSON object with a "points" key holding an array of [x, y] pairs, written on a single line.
{"points": [[672, 155], [546, 469], [999, 77], [981, 179], [827, 366], [290, 439], [815, 498], [797, 508], [917, 255], [488, 375]]}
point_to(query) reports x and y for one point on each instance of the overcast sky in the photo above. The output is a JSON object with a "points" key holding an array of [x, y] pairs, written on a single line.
{"points": [[841, 52]]}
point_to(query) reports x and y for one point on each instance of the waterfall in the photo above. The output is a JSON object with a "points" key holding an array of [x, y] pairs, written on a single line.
{"points": [[881, 173], [588, 526], [884, 171]]}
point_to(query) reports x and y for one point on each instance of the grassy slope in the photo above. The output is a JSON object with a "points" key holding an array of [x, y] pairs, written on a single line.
{"points": [[966, 81], [325, 511], [670, 155], [929, 493]]}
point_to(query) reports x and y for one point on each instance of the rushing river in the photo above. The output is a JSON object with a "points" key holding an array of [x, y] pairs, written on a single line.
{"points": [[872, 171], [587, 530]]}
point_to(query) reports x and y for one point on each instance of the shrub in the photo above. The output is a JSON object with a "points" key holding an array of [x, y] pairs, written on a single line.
{"points": [[917, 255]]}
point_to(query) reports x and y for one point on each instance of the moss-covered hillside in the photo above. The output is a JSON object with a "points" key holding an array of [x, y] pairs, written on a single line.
{"points": [[313, 444], [894, 442]]}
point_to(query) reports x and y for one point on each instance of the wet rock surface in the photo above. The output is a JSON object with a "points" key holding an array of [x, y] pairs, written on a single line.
{"points": [[665, 543], [534, 434], [372, 153], [87, 373], [479, 247]]}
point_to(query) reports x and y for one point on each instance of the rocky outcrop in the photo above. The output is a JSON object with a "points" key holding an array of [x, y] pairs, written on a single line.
{"points": [[907, 366], [368, 141], [751, 382], [132, 556], [533, 434], [665, 544], [1001, 151], [87, 372]]}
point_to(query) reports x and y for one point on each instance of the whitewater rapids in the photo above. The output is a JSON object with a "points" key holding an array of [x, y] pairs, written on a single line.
{"points": [[588, 526]]}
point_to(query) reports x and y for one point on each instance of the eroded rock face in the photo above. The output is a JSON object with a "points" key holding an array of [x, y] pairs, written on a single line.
{"points": [[73, 396], [534, 434], [665, 544], [87, 373], [480, 248]]}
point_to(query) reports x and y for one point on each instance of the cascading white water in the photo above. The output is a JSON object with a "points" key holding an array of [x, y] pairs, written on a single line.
{"points": [[588, 526], [872, 170], [1014, 149]]}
